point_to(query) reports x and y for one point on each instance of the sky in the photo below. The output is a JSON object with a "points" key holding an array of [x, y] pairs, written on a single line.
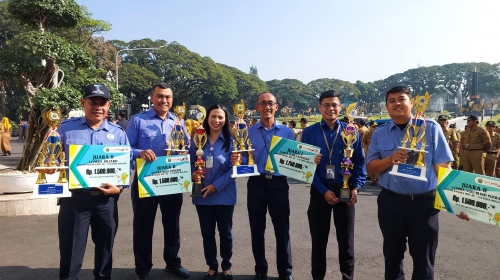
{"points": [[308, 40]]}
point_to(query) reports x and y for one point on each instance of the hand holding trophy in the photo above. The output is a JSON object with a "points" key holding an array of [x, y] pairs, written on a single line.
{"points": [[199, 139], [242, 143], [349, 137], [177, 142], [414, 143]]}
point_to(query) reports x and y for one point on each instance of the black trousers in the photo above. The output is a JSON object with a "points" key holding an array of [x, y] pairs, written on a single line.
{"points": [[272, 194], [143, 224], [76, 214], [209, 216], [412, 220], [320, 216]]}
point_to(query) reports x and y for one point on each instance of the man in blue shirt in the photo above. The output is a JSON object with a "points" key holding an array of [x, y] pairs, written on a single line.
{"points": [[326, 186], [268, 192], [95, 207], [148, 133], [406, 206]]}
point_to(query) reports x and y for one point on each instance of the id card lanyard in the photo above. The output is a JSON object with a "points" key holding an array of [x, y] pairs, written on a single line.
{"points": [[264, 138], [330, 151]]}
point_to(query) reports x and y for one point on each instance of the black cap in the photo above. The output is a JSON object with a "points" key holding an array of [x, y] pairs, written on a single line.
{"points": [[96, 91], [304, 120], [453, 125], [373, 123], [442, 118], [293, 123], [492, 123], [472, 118]]}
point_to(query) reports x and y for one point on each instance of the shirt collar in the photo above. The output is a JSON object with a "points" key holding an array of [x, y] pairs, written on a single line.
{"points": [[393, 125], [325, 125], [104, 125], [260, 125], [151, 113]]}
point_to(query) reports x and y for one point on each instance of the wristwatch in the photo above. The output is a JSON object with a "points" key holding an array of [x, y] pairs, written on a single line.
{"points": [[121, 188]]}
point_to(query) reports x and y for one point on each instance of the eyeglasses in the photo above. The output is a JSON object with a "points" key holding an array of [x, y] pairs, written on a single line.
{"points": [[265, 104], [328, 106]]}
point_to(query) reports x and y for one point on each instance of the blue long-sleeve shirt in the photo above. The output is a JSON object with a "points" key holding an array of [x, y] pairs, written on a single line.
{"points": [[219, 175], [261, 142], [387, 139], [313, 135], [147, 130], [78, 131]]}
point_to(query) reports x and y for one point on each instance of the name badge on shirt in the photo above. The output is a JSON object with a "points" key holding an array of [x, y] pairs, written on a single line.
{"points": [[330, 172], [110, 137], [209, 163]]}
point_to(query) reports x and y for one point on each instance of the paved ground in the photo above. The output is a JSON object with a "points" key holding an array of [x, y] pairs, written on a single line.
{"points": [[467, 250]]}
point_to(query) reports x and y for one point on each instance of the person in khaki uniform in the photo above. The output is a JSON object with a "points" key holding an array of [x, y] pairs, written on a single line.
{"points": [[476, 142], [362, 129], [5, 132], [493, 153], [451, 138], [456, 163], [367, 138]]}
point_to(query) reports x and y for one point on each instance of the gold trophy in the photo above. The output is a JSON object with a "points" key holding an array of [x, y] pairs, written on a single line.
{"points": [[199, 139], [349, 137], [51, 157], [177, 142], [414, 143], [242, 143]]}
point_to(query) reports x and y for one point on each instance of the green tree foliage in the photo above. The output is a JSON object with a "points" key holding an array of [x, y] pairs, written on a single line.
{"points": [[45, 13], [249, 86], [292, 93], [136, 84]]}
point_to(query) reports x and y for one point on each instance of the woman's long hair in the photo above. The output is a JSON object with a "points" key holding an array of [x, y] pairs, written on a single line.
{"points": [[226, 131]]}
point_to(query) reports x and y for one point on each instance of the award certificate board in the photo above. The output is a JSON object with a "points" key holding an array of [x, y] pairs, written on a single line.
{"points": [[292, 159], [166, 175], [476, 195], [92, 165]]}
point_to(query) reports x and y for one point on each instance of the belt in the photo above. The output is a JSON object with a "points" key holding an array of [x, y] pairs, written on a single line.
{"points": [[492, 152], [270, 176], [92, 192], [423, 196], [471, 150]]}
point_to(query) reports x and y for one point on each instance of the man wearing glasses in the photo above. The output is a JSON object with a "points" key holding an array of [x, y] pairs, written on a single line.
{"points": [[326, 185], [268, 191]]}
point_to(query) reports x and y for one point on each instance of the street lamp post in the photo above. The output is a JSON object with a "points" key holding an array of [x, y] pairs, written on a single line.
{"points": [[116, 60]]}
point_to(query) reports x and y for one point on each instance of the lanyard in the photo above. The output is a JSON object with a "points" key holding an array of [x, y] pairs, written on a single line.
{"points": [[330, 151], [264, 138]]}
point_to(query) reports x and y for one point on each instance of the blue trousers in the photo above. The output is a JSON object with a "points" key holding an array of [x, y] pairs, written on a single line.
{"points": [[143, 225], [76, 214], [222, 216], [412, 220], [272, 194]]}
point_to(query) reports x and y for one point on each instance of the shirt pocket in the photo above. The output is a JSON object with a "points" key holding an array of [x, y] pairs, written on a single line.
{"points": [[75, 141], [153, 139], [386, 149]]}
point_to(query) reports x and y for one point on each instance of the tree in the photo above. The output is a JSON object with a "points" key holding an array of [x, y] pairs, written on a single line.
{"points": [[36, 57], [292, 93]]}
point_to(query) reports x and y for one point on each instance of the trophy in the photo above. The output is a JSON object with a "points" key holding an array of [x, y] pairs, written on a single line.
{"points": [[51, 157], [177, 142], [199, 139], [414, 143], [349, 137], [242, 143]]}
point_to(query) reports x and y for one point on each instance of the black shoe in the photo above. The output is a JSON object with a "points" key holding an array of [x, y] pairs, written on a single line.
{"points": [[260, 276], [143, 277], [179, 271], [228, 276], [289, 277], [209, 277], [8, 153]]}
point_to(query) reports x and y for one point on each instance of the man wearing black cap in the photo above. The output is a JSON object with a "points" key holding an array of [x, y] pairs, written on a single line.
{"points": [[475, 143], [451, 137], [490, 161], [367, 138], [97, 206], [303, 125]]}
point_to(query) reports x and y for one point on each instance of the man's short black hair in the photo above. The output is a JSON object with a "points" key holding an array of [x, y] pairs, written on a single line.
{"points": [[122, 114], [362, 122], [404, 89], [161, 85], [329, 93]]}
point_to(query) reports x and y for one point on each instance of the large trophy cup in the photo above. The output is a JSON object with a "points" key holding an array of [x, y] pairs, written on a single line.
{"points": [[242, 143], [51, 157], [349, 137], [177, 142], [199, 139], [414, 143]]}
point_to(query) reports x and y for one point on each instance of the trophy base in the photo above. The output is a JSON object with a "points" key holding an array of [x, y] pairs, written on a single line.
{"points": [[245, 171], [345, 195], [51, 190], [409, 171], [197, 190]]}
